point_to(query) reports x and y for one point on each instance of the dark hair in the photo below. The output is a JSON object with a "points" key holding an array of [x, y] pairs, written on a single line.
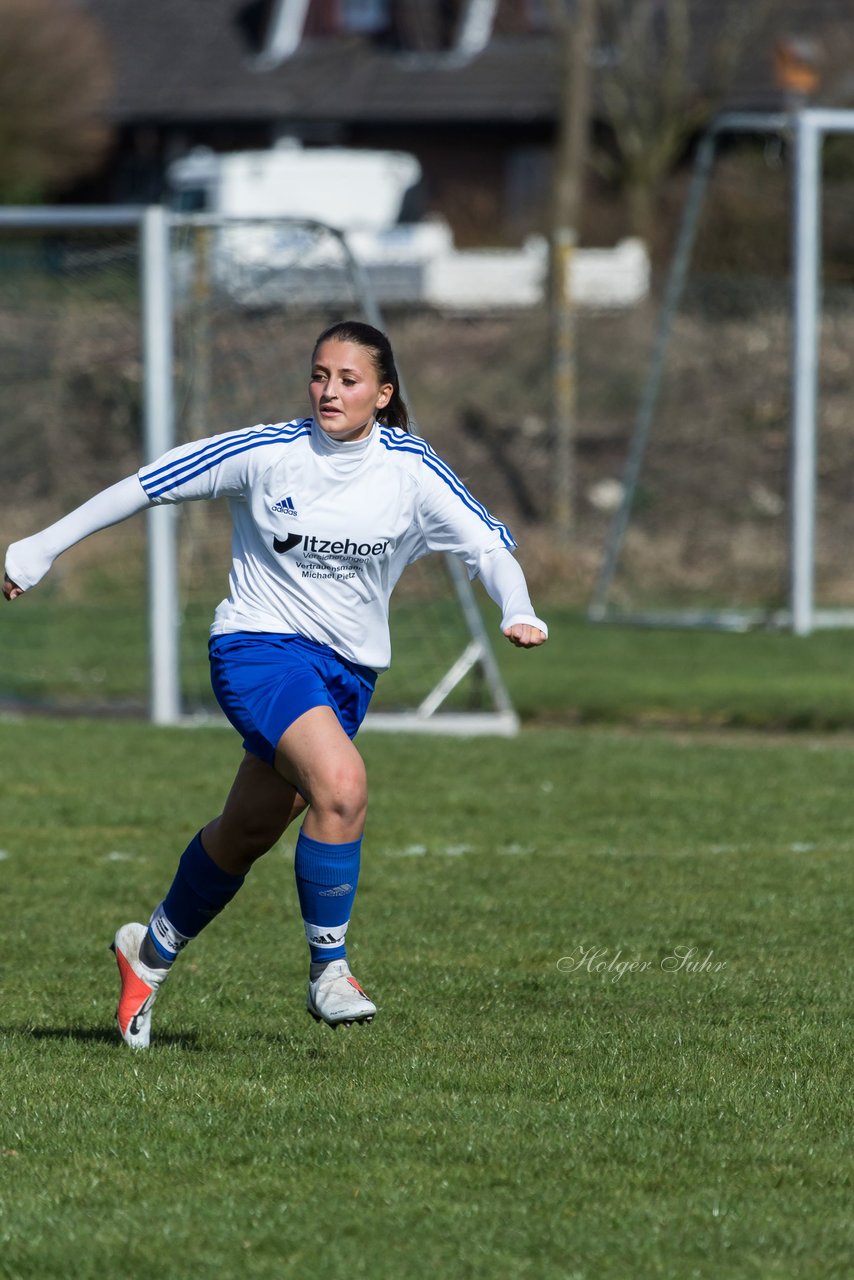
{"points": [[374, 341]]}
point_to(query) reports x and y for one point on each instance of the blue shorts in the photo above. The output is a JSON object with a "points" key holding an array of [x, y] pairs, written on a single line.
{"points": [[265, 682]]}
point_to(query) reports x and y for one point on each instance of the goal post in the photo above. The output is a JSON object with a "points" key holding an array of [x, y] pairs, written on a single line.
{"points": [[805, 130], [187, 325], [159, 437]]}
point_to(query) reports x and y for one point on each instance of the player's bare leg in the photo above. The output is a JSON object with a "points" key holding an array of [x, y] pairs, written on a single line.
{"points": [[260, 806], [316, 756]]}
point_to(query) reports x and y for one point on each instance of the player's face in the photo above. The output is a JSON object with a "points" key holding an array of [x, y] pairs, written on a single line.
{"points": [[345, 391]]}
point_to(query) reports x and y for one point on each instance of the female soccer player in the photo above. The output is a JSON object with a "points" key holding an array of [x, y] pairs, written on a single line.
{"points": [[327, 511]]}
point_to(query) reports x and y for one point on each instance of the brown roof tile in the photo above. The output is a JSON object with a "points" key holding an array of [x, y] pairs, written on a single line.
{"points": [[192, 60]]}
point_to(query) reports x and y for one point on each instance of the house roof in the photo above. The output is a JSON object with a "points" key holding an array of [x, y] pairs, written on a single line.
{"points": [[194, 60], [191, 59]]}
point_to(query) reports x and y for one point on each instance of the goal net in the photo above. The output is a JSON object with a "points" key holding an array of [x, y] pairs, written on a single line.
{"points": [[85, 323], [735, 509]]}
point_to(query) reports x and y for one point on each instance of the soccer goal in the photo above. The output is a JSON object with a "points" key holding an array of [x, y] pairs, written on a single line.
{"points": [[735, 511], [127, 331]]}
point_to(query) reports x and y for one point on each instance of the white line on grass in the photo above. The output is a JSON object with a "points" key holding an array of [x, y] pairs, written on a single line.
{"points": [[460, 850]]}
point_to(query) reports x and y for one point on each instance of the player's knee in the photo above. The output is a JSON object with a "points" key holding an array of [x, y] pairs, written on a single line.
{"points": [[343, 791]]}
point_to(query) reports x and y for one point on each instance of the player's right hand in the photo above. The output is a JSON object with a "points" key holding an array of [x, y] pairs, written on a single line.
{"points": [[11, 590]]}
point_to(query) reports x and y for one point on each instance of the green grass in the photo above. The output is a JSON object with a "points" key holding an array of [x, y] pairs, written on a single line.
{"points": [[511, 1112], [93, 653], [609, 674]]}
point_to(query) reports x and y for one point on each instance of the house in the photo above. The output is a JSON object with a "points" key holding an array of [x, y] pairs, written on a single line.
{"points": [[470, 87]]}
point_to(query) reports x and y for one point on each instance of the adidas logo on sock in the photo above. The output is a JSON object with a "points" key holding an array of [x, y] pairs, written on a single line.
{"points": [[285, 507], [326, 939], [340, 891]]}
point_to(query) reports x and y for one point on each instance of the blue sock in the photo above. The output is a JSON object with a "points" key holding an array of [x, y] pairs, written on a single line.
{"points": [[199, 892], [326, 875]]}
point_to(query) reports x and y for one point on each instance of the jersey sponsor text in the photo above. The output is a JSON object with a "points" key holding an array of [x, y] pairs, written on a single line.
{"points": [[328, 546]]}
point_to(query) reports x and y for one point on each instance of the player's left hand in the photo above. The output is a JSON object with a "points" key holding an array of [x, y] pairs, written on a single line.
{"points": [[11, 590], [524, 636]]}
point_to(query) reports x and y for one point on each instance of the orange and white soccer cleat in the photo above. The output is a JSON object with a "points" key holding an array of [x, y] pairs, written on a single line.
{"points": [[336, 997], [139, 988]]}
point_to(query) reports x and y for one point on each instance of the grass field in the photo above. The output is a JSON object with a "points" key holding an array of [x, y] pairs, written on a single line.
{"points": [[525, 1104], [93, 652]]}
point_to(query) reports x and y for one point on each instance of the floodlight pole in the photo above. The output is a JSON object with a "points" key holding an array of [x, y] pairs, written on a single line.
{"points": [[806, 255]]}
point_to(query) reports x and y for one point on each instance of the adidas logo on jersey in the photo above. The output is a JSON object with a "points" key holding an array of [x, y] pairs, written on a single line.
{"points": [[285, 507]]}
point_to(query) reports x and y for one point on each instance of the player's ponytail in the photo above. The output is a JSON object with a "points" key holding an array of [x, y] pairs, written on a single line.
{"points": [[375, 342]]}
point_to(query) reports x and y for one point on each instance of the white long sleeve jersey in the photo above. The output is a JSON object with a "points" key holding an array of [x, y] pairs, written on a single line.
{"points": [[323, 529]]}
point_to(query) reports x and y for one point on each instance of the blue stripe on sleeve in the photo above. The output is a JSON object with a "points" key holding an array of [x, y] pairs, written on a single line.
{"points": [[209, 447], [159, 480], [403, 442]]}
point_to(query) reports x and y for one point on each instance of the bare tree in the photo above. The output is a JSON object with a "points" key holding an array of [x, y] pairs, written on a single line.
{"points": [[574, 28], [665, 67], [54, 85]]}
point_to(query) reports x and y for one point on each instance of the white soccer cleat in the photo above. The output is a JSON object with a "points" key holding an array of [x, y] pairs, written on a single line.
{"points": [[139, 986], [336, 997]]}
